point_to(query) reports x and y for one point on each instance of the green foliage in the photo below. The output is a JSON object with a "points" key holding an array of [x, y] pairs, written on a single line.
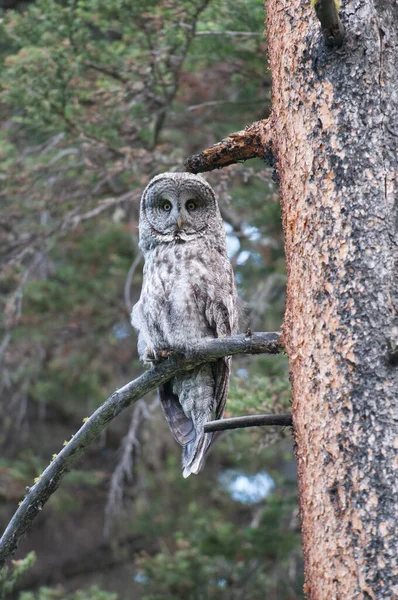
{"points": [[9, 576], [72, 57], [259, 394], [65, 500], [215, 559], [45, 593], [89, 274], [23, 468]]}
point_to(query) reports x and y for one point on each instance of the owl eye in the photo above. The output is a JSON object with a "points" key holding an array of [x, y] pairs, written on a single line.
{"points": [[166, 206], [191, 205]]}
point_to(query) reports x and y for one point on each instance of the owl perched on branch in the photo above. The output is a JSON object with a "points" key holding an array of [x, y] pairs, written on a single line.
{"points": [[188, 293]]}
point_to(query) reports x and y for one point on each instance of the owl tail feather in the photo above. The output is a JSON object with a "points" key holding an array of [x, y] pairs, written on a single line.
{"points": [[187, 431], [193, 454]]}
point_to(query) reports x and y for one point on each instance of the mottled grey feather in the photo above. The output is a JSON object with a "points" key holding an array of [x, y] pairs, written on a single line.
{"points": [[188, 293], [181, 426]]}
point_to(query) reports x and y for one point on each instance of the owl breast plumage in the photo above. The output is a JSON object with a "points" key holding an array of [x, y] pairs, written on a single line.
{"points": [[188, 294]]}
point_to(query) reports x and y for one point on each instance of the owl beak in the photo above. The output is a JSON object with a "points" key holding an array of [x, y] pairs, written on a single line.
{"points": [[179, 223]]}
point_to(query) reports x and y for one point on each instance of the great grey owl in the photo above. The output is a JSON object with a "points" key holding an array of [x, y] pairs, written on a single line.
{"points": [[188, 294]]}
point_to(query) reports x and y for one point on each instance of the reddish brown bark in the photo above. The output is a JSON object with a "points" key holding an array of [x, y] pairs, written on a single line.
{"points": [[253, 141], [336, 146]]}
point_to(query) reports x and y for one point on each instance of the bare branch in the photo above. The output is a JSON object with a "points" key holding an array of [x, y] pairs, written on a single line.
{"points": [[47, 146], [237, 147], [332, 27], [207, 351], [249, 421], [107, 71], [60, 155], [71, 221]]}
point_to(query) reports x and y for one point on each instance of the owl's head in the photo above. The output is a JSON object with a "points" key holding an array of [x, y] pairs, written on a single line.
{"points": [[177, 207]]}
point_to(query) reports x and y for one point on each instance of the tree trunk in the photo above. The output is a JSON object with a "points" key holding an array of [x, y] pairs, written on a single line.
{"points": [[335, 133]]}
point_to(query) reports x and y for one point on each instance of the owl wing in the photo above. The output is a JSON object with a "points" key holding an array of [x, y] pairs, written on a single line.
{"points": [[222, 374], [180, 425], [220, 321]]}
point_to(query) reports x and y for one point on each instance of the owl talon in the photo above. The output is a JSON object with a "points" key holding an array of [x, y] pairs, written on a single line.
{"points": [[149, 356], [155, 358]]}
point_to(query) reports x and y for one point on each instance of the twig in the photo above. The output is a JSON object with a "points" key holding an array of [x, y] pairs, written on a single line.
{"points": [[48, 145], [61, 154], [332, 27], [106, 71], [253, 142], [207, 351], [71, 221], [249, 421]]}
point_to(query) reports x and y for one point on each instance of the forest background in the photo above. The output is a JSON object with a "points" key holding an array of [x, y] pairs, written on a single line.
{"points": [[95, 99]]}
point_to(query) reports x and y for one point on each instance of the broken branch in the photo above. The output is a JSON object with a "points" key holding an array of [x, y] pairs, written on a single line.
{"points": [[332, 27], [237, 147], [207, 351]]}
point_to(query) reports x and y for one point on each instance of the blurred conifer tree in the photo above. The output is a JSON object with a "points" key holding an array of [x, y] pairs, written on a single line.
{"points": [[95, 98]]}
